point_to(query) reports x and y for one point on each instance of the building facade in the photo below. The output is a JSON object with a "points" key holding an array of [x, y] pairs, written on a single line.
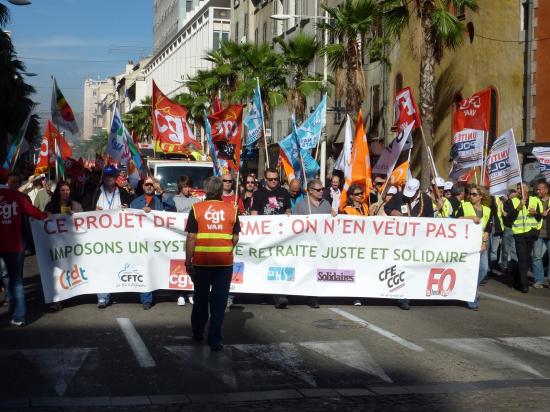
{"points": [[205, 25], [99, 96], [538, 51]]}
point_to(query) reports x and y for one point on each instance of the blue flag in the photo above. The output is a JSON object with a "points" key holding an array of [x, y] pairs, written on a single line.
{"points": [[309, 132], [254, 120], [297, 155], [211, 148], [15, 146]]}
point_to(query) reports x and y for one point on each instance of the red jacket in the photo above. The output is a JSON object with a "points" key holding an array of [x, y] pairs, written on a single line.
{"points": [[231, 199], [12, 205]]}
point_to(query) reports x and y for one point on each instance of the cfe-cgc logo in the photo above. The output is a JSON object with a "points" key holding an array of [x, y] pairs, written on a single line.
{"points": [[178, 278], [129, 276], [393, 278], [282, 274], [336, 275], [441, 282], [71, 278]]}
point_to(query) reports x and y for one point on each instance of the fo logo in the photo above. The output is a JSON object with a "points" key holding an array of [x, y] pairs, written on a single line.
{"points": [[69, 279], [238, 273], [441, 282], [178, 278]]}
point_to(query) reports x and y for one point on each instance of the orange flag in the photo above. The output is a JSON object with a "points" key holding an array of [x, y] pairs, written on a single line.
{"points": [[360, 171], [399, 174], [287, 167]]}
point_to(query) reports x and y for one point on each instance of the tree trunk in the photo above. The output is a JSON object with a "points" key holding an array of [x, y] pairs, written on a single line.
{"points": [[353, 98], [427, 91]]}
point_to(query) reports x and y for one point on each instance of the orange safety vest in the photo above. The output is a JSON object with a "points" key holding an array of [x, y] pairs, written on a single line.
{"points": [[214, 245]]}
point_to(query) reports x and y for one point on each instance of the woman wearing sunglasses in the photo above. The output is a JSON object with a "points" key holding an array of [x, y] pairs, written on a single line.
{"points": [[355, 204], [476, 210]]}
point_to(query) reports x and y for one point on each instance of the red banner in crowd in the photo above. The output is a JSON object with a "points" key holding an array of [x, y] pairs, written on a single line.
{"points": [[227, 127], [171, 132], [473, 113], [405, 109]]}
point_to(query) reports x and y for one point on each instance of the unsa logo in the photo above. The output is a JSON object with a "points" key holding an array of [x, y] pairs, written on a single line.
{"points": [[441, 282]]}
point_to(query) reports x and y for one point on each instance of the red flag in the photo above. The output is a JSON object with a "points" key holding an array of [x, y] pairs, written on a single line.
{"points": [[43, 163], [405, 110], [171, 132], [227, 127], [473, 113], [216, 105], [75, 169]]}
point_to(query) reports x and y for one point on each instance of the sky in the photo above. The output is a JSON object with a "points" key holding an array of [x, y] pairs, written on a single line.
{"points": [[75, 40]]}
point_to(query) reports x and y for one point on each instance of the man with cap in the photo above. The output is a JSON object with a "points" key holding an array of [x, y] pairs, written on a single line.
{"points": [[441, 205], [508, 247], [376, 194], [106, 197], [150, 201], [14, 205], [447, 189], [410, 202]]}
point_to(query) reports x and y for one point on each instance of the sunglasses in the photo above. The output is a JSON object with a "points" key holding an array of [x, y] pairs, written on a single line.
{"points": [[358, 194], [272, 179], [250, 182], [318, 189], [379, 183], [474, 194], [148, 184]]}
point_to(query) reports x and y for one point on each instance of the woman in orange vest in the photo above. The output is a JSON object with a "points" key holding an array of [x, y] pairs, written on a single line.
{"points": [[212, 232], [355, 204]]}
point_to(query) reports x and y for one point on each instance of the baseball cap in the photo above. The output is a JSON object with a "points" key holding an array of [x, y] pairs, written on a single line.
{"points": [[392, 190], [411, 187], [439, 182], [110, 171], [448, 186]]}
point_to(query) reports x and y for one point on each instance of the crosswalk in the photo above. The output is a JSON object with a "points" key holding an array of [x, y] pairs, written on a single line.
{"points": [[289, 364]]}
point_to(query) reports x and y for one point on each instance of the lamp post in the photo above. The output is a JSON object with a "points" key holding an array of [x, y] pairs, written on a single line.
{"points": [[323, 145]]}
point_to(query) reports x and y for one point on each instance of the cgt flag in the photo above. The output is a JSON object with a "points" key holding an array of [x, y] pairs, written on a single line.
{"points": [[405, 113], [171, 132], [543, 156], [226, 131], [503, 164], [62, 114]]}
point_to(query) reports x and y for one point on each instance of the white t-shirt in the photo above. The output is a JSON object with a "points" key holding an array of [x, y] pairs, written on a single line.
{"points": [[108, 200]]}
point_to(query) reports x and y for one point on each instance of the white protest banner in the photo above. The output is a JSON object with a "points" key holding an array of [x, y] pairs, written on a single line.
{"points": [[390, 154], [543, 156], [503, 164], [347, 256]]}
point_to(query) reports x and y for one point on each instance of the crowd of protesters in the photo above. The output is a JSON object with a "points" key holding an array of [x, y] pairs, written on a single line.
{"points": [[516, 232]]}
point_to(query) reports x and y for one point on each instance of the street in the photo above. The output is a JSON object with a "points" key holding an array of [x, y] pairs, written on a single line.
{"points": [[338, 356]]}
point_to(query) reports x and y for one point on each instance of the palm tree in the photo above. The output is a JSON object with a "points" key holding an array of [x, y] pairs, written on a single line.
{"points": [[438, 29], [140, 121], [15, 103], [298, 53], [88, 148], [352, 24]]}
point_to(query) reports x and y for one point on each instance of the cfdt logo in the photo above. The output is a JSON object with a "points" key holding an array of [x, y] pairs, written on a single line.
{"points": [[441, 282], [393, 278], [283, 274], [238, 273], [178, 278], [71, 278], [130, 276]]}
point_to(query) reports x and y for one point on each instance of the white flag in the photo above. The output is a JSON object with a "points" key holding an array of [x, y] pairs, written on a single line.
{"points": [[117, 145], [390, 155], [503, 164], [543, 156]]}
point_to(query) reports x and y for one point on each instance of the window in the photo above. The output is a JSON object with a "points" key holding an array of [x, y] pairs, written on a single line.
{"points": [[338, 112], [236, 32], [398, 84], [304, 10], [188, 5], [219, 36], [264, 33], [375, 111], [245, 34], [256, 36]]}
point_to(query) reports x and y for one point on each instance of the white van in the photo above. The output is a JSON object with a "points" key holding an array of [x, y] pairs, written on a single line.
{"points": [[167, 172]]}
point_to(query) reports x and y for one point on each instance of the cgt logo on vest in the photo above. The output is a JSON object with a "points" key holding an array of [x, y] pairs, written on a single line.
{"points": [[178, 278], [215, 217], [441, 282], [70, 279], [7, 211]]}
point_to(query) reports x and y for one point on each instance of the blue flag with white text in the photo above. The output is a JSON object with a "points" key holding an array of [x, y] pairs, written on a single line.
{"points": [[254, 120], [309, 132]]}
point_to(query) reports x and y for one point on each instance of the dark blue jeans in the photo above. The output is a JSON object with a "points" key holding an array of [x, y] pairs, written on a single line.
{"points": [[16, 296], [219, 279]]}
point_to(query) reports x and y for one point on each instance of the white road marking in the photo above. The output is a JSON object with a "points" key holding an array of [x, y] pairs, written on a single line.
{"points": [[141, 352], [487, 349], [397, 339], [283, 356], [350, 353], [218, 364], [58, 366], [540, 346], [514, 302]]}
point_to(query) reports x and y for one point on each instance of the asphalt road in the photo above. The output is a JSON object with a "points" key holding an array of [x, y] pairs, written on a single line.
{"points": [[433, 357]]}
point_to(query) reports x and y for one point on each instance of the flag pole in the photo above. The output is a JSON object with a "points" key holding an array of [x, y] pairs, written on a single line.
{"points": [[239, 169], [432, 165], [305, 180], [485, 154], [263, 126]]}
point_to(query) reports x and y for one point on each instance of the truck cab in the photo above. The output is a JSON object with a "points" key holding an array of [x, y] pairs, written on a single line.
{"points": [[167, 172]]}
